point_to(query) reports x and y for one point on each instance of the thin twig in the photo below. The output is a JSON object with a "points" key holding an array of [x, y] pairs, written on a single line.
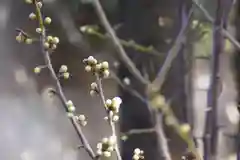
{"points": [[123, 55], [171, 55], [131, 44], [112, 124], [62, 97], [162, 137], [139, 131], [158, 127]]}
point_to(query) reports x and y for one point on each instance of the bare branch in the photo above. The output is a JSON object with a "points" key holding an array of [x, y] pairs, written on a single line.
{"points": [[59, 89], [171, 55], [112, 124], [123, 55]]}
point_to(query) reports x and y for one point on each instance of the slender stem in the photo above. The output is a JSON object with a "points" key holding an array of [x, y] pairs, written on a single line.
{"points": [[60, 92], [171, 55], [123, 55], [162, 137], [112, 124]]}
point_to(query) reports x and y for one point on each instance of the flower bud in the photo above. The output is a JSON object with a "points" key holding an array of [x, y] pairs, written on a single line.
{"points": [[63, 68], [37, 70], [28, 41], [66, 75], [47, 20], [32, 16]]}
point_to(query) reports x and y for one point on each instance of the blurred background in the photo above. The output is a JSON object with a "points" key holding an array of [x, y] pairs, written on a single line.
{"points": [[34, 125]]}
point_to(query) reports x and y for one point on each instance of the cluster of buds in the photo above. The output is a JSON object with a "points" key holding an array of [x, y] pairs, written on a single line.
{"points": [[82, 119], [113, 107], [94, 89], [33, 16], [71, 108], [51, 42], [92, 65], [63, 71], [87, 29], [138, 154], [39, 3], [23, 37], [106, 146]]}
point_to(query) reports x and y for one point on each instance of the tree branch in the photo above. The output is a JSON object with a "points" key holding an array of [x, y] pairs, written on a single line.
{"points": [[62, 97], [112, 124], [123, 55]]}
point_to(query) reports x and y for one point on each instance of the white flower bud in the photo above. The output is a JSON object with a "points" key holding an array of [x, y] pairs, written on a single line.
{"points": [[46, 45], [105, 140], [55, 40], [83, 123], [106, 73], [115, 118], [126, 81], [83, 28], [107, 154], [136, 157], [137, 151], [63, 68], [98, 67], [54, 46], [39, 4], [32, 16], [117, 100], [69, 103], [88, 68], [71, 109], [38, 30], [81, 117], [93, 85], [47, 20], [99, 146], [49, 38], [93, 92], [105, 65], [112, 140], [99, 152], [108, 102]]}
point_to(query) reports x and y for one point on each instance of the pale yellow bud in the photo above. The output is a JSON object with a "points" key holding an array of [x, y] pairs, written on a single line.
{"points": [[66, 75], [46, 45], [47, 20], [55, 40], [37, 70], [28, 41], [185, 128]]}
